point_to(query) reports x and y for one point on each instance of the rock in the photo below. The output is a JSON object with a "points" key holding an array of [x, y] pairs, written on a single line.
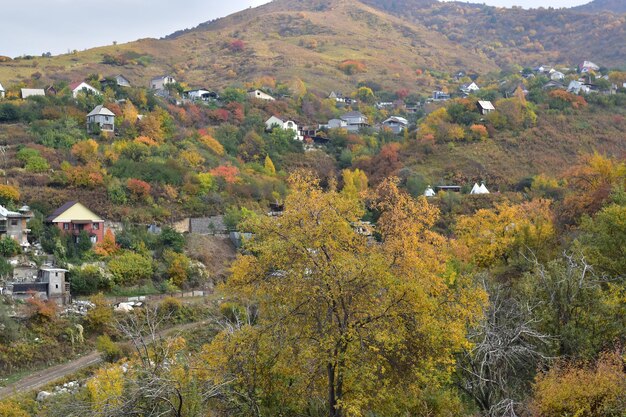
{"points": [[42, 395]]}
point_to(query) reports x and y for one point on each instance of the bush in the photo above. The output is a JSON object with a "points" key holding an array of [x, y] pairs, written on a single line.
{"points": [[8, 194], [110, 350], [130, 268], [9, 247]]}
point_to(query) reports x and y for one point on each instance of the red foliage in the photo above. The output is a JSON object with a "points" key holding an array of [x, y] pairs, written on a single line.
{"points": [[140, 189], [236, 111], [402, 94], [219, 115], [236, 45], [383, 165], [227, 172]]}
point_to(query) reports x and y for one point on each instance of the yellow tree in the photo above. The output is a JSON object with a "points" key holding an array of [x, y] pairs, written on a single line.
{"points": [[362, 327], [269, 166]]}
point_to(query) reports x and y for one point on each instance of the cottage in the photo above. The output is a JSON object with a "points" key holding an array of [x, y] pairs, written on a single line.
{"points": [[32, 92], [122, 81], [200, 94], [335, 124], [338, 97], [159, 83], [440, 96], [101, 117], [468, 89], [485, 107], [274, 122], [588, 66], [51, 284], [396, 124], [578, 87], [83, 87], [51, 90], [1, 91], [14, 224], [553, 85], [260, 95], [355, 121], [73, 218], [557, 76]]}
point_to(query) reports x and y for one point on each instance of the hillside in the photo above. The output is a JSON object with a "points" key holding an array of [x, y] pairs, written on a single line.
{"points": [[614, 6], [306, 41]]}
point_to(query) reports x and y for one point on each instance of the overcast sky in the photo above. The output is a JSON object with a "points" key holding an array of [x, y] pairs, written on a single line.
{"points": [[31, 27]]}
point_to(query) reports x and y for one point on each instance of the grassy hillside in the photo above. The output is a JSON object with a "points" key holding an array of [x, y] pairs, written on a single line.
{"points": [[614, 6]]}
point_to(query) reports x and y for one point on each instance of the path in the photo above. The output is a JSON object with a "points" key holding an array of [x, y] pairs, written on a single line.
{"points": [[44, 377]]}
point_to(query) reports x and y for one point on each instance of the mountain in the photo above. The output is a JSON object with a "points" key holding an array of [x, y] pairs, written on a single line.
{"points": [[334, 44], [613, 6]]}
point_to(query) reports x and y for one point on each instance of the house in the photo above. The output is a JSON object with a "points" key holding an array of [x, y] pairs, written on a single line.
{"points": [[479, 189], [335, 124], [200, 94], [51, 90], [553, 85], [32, 92], [1, 91], [557, 76], [73, 218], [384, 105], [82, 86], [103, 118], [440, 96], [468, 89], [396, 124], [159, 83], [485, 107], [122, 81], [578, 87], [588, 66], [338, 97], [429, 192], [274, 122], [260, 95], [355, 121], [51, 284], [14, 224]]}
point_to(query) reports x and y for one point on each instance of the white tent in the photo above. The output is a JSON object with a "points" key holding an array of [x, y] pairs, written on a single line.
{"points": [[479, 189], [429, 192]]}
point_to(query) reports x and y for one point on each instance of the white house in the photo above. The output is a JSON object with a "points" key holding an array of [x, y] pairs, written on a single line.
{"points": [[557, 76], [103, 117], [274, 122], [1, 91], [479, 189], [429, 192], [31, 92], [335, 124], [200, 94], [159, 83], [396, 124], [578, 87], [485, 107], [82, 86], [469, 88], [260, 95], [588, 66]]}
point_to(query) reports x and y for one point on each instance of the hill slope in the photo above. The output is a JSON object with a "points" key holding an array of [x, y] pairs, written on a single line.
{"points": [[614, 6]]}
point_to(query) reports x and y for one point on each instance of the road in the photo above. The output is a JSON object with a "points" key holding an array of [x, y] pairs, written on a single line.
{"points": [[47, 376]]}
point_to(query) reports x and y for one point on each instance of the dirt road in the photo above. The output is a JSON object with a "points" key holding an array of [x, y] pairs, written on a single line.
{"points": [[42, 378]]}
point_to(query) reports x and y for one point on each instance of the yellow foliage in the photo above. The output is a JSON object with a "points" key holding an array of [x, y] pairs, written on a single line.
{"points": [[192, 158], [213, 145], [106, 388]]}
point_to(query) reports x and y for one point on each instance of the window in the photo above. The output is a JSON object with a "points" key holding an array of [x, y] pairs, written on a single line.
{"points": [[96, 226], [57, 285], [66, 226], [14, 222]]}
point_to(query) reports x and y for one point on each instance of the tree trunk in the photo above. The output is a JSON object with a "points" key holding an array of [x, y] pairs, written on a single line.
{"points": [[332, 399]]}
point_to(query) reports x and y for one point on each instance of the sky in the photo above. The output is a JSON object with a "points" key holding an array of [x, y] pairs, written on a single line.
{"points": [[32, 27]]}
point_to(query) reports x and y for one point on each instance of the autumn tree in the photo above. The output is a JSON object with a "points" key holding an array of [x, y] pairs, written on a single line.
{"points": [[269, 166], [107, 247], [364, 327]]}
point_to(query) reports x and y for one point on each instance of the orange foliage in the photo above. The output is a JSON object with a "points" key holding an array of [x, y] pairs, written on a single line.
{"points": [[42, 310], [85, 151], [228, 172], [146, 141], [351, 66], [576, 101], [211, 143], [108, 246], [90, 175], [138, 188]]}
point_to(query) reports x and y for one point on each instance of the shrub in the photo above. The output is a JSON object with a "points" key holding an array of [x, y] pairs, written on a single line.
{"points": [[139, 189], [9, 247], [8, 194], [129, 268], [351, 67], [236, 45], [108, 348]]}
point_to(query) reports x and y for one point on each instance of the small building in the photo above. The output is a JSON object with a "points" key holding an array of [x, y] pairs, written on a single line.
{"points": [[159, 83], [73, 218], [485, 107], [449, 188], [122, 81], [260, 95], [15, 224], [429, 192], [1, 91], [51, 284], [103, 118], [479, 189], [274, 122], [557, 76], [200, 94], [468, 89], [397, 124], [83, 87], [578, 87], [355, 121], [51, 90], [440, 96], [553, 85], [32, 92], [335, 124], [588, 66]]}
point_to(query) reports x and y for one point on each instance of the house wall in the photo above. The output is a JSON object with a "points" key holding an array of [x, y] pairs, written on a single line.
{"points": [[106, 123], [94, 228]]}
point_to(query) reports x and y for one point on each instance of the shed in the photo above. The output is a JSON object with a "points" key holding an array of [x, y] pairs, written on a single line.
{"points": [[485, 107]]}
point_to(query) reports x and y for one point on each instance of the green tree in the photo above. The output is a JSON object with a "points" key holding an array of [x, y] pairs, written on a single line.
{"points": [[9, 247], [129, 268]]}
